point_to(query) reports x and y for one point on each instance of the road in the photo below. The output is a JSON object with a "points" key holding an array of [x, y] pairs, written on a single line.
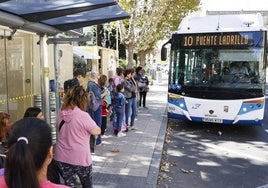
{"points": [[214, 156]]}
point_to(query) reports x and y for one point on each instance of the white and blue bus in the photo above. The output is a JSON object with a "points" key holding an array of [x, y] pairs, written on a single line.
{"points": [[218, 69]]}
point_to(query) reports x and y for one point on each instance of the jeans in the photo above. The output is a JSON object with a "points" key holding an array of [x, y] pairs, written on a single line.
{"points": [[131, 107], [120, 113], [96, 116]]}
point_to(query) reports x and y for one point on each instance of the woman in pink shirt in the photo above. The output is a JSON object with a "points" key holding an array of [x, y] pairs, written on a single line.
{"points": [[72, 150], [30, 151]]}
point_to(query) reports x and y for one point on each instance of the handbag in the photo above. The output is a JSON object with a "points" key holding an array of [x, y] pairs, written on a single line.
{"points": [[54, 173], [2, 156], [146, 89], [93, 103]]}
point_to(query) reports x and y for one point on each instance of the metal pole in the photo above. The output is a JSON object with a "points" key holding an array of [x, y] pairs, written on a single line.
{"points": [[44, 65], [57, 57], [117, 46]]}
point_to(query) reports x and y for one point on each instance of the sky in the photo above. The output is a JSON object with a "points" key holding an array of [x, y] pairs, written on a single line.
{"points": [[234, 5]]}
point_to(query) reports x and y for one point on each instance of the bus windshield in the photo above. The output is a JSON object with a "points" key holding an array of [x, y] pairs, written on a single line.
{"points": [[217, 73]]}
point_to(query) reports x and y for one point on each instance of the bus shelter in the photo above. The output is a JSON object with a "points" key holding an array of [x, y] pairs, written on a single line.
{"points": [[48, 19]]}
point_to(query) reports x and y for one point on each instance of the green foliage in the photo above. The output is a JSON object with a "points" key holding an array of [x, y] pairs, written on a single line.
{"points": [[151, 21], [123, 63]]}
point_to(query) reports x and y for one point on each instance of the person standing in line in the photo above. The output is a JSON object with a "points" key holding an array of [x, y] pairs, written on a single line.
{"points": [[137, 77], [138, 73], [130, 89], [72, 151], [102, 81], [77, 80], [29, 154], [119, 76], [105, 103], [93, 86], [111, 88], [104, 114], [144, 88], [134, 81], [119, 106], [34, 112], [52, 174], [5, 126], [117, 79]]}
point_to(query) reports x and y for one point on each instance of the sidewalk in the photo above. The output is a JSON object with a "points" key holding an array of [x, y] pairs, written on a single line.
{"points": [[133, 161]]}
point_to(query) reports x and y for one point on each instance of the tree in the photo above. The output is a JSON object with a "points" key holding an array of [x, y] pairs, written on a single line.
{"points": [[150, 21]]}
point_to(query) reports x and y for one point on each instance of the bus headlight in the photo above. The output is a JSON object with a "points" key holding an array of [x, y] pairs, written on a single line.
{"points": [[181, 105]]}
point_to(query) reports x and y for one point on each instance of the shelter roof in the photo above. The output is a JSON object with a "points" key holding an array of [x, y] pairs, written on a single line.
{"points": [[55, 16]]}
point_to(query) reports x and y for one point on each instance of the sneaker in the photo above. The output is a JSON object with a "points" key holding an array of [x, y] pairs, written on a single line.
{"points": [[125, 130], [121, 134], [132, 128], [104, 136]]}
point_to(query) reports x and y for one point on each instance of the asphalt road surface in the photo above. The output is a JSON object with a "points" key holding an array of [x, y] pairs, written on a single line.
{"points": [[215, 156]]}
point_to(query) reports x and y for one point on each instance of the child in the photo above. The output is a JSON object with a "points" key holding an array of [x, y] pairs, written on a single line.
{"points": [[111, 88], [104, 114], [119, 107]]}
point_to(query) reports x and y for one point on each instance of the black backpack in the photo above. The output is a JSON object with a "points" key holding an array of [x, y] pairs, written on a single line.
{"points": [[70, 83], [2, 156]]}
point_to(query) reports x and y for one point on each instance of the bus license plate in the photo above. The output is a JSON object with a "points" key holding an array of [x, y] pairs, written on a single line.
{"points": [[212, 120]]}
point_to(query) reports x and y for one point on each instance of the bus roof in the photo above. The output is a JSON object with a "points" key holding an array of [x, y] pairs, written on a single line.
{"points": [[222, 23]]}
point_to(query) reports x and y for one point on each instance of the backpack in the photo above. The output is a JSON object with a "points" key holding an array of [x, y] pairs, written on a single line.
{"points": [[2, 156], [69, 83], [93, 103]]}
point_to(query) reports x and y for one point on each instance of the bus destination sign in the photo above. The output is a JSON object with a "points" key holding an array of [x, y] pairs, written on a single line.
{"points": [[234, 40], [216, 40]]}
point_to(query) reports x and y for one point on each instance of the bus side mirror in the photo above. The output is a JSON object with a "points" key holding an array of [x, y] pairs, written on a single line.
{"points": [[163, 53]]}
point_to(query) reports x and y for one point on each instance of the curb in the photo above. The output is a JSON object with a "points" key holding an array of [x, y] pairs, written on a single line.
{"points": [[154, 168]]}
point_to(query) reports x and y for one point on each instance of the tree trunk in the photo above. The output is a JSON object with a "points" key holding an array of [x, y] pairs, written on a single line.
{"points": [[142, 59], [129, 54]]}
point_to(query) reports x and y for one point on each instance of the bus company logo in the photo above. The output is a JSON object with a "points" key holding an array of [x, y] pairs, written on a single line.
{"points": [[225, 108], [196, 106], [211, 111]]}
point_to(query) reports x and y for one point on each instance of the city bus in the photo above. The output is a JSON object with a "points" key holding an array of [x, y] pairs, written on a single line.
{"points": [[217, 71]]}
